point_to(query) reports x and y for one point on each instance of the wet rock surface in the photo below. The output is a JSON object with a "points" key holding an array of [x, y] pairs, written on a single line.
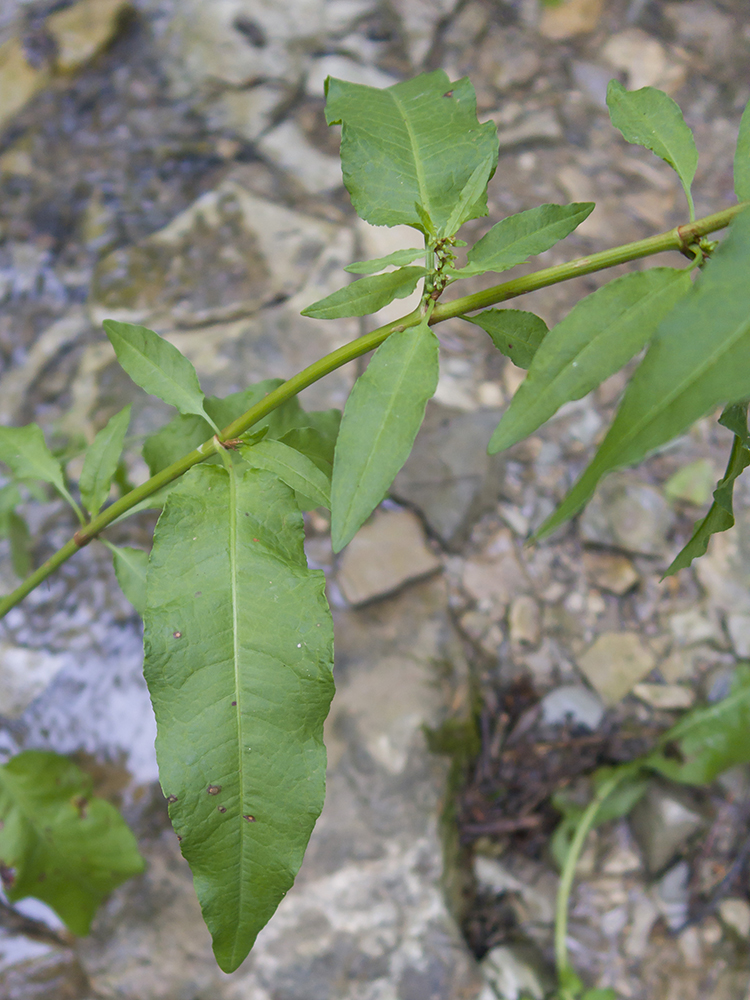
{"points": [[166, 162]]}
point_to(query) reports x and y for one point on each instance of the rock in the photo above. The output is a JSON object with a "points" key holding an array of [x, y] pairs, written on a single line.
{"points": [[665, 696], [287, 147], [518, 66], [516, 972], [534, 886], [55, 975], [691, 627], [572, 705], [723, 570], [495, 577], [693, 483], [481, 629], [735, 914], [644, 59], [84, 30], [628, 515], [610, 571], [524, 620], [24, 674], [538, 126], [19, 80], [247, 113], [344, 68], [574, 17], [614, 663], [419, 19], [387, 552], [672, 896], [644, 915], [662, 823], [738, 627], [449, 476]]}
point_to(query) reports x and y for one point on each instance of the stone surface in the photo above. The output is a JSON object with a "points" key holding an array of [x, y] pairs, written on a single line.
{"points": [[24, 675], [738, 627], [659, 696], [19, 81], [572, 705], [644, 60], [387, 552], [288, 148], [524, 621], [56, 975], [735, 914], [571, 18], [449, 476], [614, 663], [495, 577], [516, 973], [83, 30], [672, 896], [610, 571], [663, 822], [629, 515]]}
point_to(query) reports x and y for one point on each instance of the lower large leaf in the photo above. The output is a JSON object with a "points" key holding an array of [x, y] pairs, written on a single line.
{"points": [[239, 648]]}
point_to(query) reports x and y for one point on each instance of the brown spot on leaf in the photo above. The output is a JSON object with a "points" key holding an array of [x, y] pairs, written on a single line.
{"points": [[171, 798], [177, 635], [448, 93], [250, 819], [7, 874], [222, 809], [81, 803], [234, 704], [179, 837], [213, 789]]}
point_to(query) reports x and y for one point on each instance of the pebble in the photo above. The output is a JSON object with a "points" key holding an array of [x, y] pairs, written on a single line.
{"points": [[672, 896], [515, 973], [483, 630], [628, 515], [665, 696], [610, 571], [83, 30], [691, 627], [25, 674], [614, 663], [644, 59], [535, 127], [524, 621], [694, 483], [387, 552], [735, 914], [738, 626], [287, 147], [574, 17], [344, 68], [572, 705], [662, 823]]}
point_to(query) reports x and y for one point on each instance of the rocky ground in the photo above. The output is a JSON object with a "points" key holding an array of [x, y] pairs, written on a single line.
{"points": [[167, 162]]}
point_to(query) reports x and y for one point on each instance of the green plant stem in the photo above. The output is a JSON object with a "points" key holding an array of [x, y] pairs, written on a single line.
{"points": [[681, 238], [587, 820]]}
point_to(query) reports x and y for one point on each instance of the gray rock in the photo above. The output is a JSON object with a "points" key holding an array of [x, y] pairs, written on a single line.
{"points": [[387, 552], [524, 620], [24, 674], [628, 515], [738, 627], [665, 696], [610, 571], [287, 147], [735, 914], [614, 663], [537, 126], [494, 577], [672, 895], [344, 68], [449, 476], [663, 822], [516, 972], [56, 974], [574, 705]]}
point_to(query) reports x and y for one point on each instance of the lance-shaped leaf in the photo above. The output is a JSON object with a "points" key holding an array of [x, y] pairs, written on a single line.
{"points": [[130, 569], [384, 411], [157, 366], [238, 660], [720, 516], [742, 158], [292, 468], [515, 333], [396, 259], [367, 295], [464, 209], [102, 460], [408, 151], [521, 236], [650, 118], [597, 337], [59, 842], [711, 739], [25, 452], [698, 359]]}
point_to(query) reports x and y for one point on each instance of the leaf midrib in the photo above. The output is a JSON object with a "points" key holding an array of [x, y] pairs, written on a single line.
{"points": [[421, 179]]}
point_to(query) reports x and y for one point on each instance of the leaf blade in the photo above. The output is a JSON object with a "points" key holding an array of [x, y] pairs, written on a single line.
{"points": [[397, 259], [292, 468], [515, 333], [130, 569], [241, 620], [381, 419], [102, 458], [25, 452], [367, 295], [599, 335]]}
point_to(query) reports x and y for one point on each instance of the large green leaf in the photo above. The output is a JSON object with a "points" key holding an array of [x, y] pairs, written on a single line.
{"points": [[58, 842], [650, 118], [384, 411], [515, 333], [598, 336], [521, 236], [238, 659], [292, 468], [742, 158], [367, 295], [396, 259], [102, 459], [408, 151], [698, 359], [157, 366], [720, 516], [130, 569], [710, 740], [25, 452]]}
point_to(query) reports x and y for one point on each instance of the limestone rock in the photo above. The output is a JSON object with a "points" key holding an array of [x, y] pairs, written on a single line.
{"points": [[610, 571], [83, 30], [672, 896], [644, 59], [629, 515], [662, 823], [288, 148], [53, 975], [574, 17], [19, 80], [524, 620], [665, 696], [614, 663], [735, 914], [449, 476], [516, 972], [738, 627], [24, 674], [495, 577], [387, 552]]}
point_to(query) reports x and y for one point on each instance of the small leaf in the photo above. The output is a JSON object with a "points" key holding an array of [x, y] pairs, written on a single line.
{"points": [[396, 259], [20, 544], [698, 359], [742, 158], [710, 740], [130, 569], [25, 452], [515, 333], [650, 118], [384, 411], [102, 460], [521, 236], [238, 644], [598, 336], [466, 206], [157, 366], [367, 295], [292, 468], [408, 151], [58, 841]]}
